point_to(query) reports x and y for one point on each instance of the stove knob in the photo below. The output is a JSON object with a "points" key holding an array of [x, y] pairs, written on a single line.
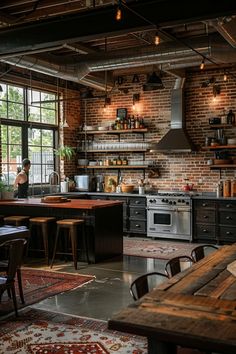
{"points": [[174, 202], [187, 203], [179, 201], [182, 201], [170, 202], [150, 201], [163, 200]]}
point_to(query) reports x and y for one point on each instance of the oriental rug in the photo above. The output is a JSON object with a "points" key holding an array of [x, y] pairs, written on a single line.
{"points": [[39, 285], [42, 332], [149, 248]]}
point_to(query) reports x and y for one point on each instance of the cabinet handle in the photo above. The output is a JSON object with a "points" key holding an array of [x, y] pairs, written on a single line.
{"points": [[137, 225], [228, 233], [228, 205], [205, 216], [204, 204], [228, 218], [137, 213], [205, 230], [137, 202]]}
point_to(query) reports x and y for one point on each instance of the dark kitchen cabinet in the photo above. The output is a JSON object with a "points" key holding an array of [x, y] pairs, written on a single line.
{"points": [[134, 212], [214, 221]]}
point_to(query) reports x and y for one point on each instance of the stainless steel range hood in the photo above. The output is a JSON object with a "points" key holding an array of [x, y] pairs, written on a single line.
{"points": [[176, 139]]}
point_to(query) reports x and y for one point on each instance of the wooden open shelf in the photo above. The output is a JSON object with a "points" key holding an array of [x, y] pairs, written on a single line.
{"points": [[116, 167], [118, 150], [218, 147], [212, 167], [221, 126], [118, 131]]}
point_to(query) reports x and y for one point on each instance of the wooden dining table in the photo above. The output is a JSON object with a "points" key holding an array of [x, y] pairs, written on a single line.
{"points": [[196, 309]]}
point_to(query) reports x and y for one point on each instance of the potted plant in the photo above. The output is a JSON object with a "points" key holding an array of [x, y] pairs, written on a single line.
{"points": [[65, 152], [7, 192]]}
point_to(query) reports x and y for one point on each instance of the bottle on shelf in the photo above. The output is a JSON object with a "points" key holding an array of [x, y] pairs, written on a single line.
{"points": [[230, 117]]}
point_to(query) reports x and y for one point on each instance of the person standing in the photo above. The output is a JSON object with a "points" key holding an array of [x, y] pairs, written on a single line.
{"points": [[21, 184]]}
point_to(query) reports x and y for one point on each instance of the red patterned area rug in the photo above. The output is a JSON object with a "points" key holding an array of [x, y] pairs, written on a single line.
{"points": [[155, 248], [39, 285], [41, 332]]}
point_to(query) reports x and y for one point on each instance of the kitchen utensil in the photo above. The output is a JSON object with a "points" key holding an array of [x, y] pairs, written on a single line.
{"points": [[188, 187]]}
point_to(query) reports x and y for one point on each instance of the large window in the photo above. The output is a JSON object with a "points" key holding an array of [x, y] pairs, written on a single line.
{"points": [[28, 129]]}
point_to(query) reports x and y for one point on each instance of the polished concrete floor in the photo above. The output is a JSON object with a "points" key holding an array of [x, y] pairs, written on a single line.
{"points": [[107, 293]]}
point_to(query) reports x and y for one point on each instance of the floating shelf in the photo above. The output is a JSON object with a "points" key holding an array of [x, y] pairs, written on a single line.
{"points": [[118, 131], [218, 147], [214, 167], [117, 150], [221, 126], [116, 167]]}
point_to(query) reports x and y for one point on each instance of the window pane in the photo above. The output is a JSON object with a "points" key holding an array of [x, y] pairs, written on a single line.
{"points": [[15, 94], [48, 97], [48, 116], [34, 137], [34, 154], [33, 97], [35, 173], [4, 133], [14, 135], [47, 138], [15, 111], [34, 114]]}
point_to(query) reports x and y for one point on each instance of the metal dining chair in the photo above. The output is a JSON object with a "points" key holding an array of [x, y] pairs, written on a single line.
{"points": [[177, 265], [201, 251], [145, 283], [15, 249]]}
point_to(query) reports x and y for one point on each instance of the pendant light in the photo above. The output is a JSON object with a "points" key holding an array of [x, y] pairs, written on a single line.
{"points": [[65, 124]]}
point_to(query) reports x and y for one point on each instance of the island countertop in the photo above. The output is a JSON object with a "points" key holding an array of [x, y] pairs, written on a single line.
{"points": [[70, 204]]}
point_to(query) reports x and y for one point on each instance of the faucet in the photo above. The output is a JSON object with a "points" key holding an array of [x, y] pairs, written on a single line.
{"points": [[54, 181]]}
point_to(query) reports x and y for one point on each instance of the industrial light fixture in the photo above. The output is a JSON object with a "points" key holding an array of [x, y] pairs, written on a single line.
{"points": [[157, 38], [135, 79], [202, 65], [225, 76], [136, 98], [118, 11], [216, 90], [65, 124], [88, 93], [154, 82]]}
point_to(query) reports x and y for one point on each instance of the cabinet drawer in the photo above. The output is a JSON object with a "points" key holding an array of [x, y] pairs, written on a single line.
{"points": [[199, 204], [137, 226], [97, 197], [205, 216], [229, 205], [227, 218], [138, 213], [227, 234], [204, 231], [137, 201]]}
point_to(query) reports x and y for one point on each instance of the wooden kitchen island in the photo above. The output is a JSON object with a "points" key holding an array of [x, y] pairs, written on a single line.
{"points": [[103, 220]]}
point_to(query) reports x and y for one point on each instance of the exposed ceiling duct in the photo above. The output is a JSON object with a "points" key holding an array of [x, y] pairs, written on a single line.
{"points": [[176, 139], [227, 28]]}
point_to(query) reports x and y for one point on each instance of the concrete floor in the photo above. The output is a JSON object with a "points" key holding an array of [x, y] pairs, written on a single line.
{"points": [[107, 293]]}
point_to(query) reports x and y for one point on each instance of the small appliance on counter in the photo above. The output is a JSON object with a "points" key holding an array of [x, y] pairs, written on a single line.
{"points": [[99, 183], [85, 183]]}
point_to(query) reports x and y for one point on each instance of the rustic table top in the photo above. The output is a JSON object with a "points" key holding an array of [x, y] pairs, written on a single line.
{"points": [[72, 204], [195, 308]]}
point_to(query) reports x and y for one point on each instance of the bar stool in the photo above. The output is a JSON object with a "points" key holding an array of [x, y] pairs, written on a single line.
{"points": [[1, 220], [72, 226], [42, 223], [16, 220]]}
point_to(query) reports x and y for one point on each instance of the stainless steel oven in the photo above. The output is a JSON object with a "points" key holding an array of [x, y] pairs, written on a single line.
{"points": [[169, 216]]}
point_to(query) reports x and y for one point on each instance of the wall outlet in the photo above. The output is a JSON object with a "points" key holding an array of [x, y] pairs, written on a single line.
{"points": [[200, 181]]}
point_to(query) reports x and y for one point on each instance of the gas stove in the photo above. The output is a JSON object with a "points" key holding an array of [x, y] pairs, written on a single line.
{"points": [[169, 198]]}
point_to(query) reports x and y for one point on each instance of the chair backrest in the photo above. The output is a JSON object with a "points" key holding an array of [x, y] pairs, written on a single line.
{"points": [[177, 265], [145, 283], [15, 255], [200, 252]]}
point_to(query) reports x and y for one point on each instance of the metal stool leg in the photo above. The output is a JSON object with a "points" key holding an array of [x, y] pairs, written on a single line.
{"points": [[55, 246], [45, 240], [73, 236], [20, 285]]}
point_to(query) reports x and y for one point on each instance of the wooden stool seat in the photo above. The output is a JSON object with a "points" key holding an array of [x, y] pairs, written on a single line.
{"points": [[71, 225], [42, 223], [16, 220]]}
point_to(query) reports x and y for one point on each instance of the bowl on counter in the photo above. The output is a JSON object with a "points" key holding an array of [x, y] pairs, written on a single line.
{"points": [[127, 188]]}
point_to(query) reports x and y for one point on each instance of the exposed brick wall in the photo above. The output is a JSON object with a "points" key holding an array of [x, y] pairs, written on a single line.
{"points": [[154, 107]]}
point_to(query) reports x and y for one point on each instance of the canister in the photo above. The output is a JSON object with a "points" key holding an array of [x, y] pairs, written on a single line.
{"points": [[227, 188], [233, 188]]}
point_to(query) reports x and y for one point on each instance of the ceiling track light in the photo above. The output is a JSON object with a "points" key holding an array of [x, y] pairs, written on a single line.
{"points": [[202, 65], [118, 11], [225, 76]]}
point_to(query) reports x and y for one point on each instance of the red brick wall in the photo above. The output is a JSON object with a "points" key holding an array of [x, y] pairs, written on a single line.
{"points": [[154, 106]]}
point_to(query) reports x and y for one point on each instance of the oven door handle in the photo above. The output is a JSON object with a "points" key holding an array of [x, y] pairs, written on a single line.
{"points": [[178, 210]]}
